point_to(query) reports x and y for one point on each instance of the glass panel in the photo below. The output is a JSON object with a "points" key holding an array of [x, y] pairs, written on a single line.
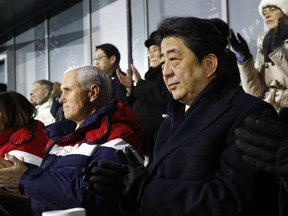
{"points": [[66, 41], [30, 58], [109, 25], [197, 8], [3, 77], [250, 25], [139, 51]]}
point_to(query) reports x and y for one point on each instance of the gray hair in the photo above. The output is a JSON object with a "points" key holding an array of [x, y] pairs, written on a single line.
{"points": [[45, 84], [89, 75]]}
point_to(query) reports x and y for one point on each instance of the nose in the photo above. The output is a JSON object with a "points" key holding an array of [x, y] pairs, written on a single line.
{"points": [[267, 14], [61, 99], [166, 69], [96, 63]]}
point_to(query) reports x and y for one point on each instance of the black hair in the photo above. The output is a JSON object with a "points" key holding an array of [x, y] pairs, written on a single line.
{"points": [[223, 28], [154, 39], [110, 50], [199, 35], [3, 87]]}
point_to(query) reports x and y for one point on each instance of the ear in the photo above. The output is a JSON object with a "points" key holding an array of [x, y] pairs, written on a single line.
{"points": [[47, 93], [211, 63], [112, 59], [94, 92]]}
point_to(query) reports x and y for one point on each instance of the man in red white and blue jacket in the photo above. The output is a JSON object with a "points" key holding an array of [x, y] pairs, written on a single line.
{"points": [[95, 129]]}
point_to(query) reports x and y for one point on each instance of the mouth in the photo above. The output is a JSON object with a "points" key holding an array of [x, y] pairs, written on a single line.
{"points": [[172, 86]]}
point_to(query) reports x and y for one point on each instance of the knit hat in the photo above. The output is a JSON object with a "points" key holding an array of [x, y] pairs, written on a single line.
{"points": [[282, 4], [154, 39]]}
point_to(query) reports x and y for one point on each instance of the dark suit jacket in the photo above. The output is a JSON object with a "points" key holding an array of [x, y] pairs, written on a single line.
{"points": [[151, 98], [197, 167]]}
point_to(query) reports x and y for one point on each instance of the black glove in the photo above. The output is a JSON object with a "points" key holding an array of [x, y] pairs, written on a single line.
{"points": [[239, 45], [125, 181], [280, 34], [264, 142]]}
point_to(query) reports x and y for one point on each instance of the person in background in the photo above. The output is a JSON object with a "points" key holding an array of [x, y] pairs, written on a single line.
{"points": [[266, 77], [31, 99], [3, 87], [41, 93], [97, 128], [150, 96], [20, 134], [264, 142], [107, 58], [56, 107], [230, 60], [197, 168]]}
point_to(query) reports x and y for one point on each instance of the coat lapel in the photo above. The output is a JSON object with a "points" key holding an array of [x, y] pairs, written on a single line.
{"points": [[202, 116]]}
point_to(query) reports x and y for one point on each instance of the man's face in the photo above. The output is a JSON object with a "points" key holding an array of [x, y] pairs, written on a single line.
{"points": [[183, 75], [271, 16], [154, 55], [75, 100], [102, 61], [39, 94]]}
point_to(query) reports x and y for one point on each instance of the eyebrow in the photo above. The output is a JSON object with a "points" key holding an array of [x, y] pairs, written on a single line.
{"points": [[173, 50]]}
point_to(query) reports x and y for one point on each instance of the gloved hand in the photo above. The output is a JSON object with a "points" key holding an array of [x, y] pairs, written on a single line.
{"points": [[239, 45], [280, 34], [264, 142], [125, 181]]}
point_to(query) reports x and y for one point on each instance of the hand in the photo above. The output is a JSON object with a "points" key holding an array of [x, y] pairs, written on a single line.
{"points": [[280, 34], [239, 45], [136, 74], [264, 142], [125, 80], [125, 181], [11, 174]]}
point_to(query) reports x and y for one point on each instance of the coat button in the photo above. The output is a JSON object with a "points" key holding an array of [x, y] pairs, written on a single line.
{"points": [[266, 65]]}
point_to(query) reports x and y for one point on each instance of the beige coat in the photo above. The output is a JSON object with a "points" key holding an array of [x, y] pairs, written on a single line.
{"points": [[266, 80]]}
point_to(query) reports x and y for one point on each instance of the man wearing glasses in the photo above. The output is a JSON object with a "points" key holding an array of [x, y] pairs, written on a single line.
{"points": [[107, 58]]}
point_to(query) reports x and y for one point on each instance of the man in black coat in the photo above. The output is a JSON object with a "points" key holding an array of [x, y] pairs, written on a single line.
{"points": [[150, 96], [197, 168]]}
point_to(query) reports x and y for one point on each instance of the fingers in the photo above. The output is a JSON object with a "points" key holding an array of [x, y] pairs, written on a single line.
{"points": [[13, 159], [128, 74], [256, 152], [5, 163], [270, 127], [108, 191], [240, 38], [107, 179], [263, 165], [133, 69], [132, 159], [257, 139], [106, 176]]}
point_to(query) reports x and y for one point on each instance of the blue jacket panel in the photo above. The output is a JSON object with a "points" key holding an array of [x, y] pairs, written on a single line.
{"points": [[57, 183]]}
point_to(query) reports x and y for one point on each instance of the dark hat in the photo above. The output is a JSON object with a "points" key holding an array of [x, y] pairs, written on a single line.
{"points": [[154, 39], [3, 87]]}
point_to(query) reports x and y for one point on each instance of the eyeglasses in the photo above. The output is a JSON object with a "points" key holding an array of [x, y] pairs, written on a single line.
{"points": [[99, 58]]}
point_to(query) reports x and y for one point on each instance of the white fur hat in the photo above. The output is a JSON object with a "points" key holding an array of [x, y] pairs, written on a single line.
{"points": [[282, 4]]}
